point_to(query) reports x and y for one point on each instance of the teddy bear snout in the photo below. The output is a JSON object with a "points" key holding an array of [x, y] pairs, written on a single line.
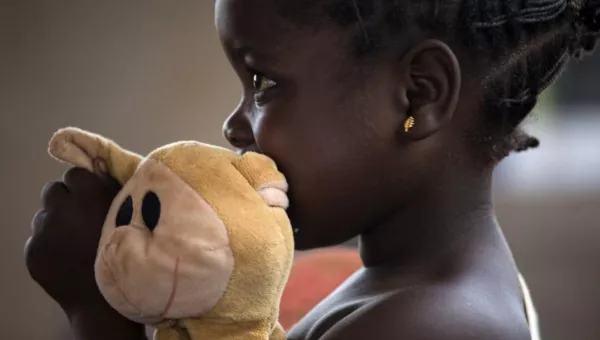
{"points": [[150, 211], [163, 239]]}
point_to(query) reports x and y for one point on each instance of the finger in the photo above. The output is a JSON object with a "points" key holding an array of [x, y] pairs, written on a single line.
{"points": [[38, 221], [111, 183], [53, 193], [99, 165], [27, 247], [100, 168], [81, 180], [27, 252], [34, 255]]}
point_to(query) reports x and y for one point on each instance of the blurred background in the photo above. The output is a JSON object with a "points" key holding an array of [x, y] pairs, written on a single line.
{"points": [[150, 72]]}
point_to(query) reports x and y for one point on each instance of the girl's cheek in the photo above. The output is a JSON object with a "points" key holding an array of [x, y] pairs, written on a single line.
{"points": [[273, 135], [264, 130]]}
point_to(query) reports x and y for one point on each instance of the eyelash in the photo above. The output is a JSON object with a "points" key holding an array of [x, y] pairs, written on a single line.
{"points": [[258, 81], [257, 77]]}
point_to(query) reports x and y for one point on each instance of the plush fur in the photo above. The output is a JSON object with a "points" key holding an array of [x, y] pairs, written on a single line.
{"points": [[197, 243]]}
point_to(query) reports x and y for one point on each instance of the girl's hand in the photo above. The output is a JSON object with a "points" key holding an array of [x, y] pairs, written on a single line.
{"points": [[61, 252]]}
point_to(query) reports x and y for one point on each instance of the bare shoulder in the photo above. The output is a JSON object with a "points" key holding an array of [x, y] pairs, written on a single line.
{"points": [[434, 313]]}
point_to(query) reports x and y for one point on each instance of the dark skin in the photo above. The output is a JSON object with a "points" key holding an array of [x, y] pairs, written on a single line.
{"points": [[436, 263]]}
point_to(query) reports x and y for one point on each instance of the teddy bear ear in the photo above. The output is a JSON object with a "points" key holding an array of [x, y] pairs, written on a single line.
{"points": [[88, 150], [263, 175], [75, 147]]}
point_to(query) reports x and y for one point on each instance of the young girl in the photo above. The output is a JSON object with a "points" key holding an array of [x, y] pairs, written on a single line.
{"points": [[388, 118]]}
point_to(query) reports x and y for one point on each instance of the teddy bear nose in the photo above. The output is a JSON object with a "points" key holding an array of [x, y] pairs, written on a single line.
{"points": [[151, 210], [125, 213]]}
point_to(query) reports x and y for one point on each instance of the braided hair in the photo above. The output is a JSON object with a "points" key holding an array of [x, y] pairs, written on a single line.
{"points": [[520, 46]]}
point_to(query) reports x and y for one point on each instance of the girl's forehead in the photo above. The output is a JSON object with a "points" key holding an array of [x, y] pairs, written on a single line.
{"points": [[256, 28], [255, 24], [244, 15]]}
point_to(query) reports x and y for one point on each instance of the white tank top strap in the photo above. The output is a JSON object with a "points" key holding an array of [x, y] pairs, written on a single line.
{"points": [[530, 312]]}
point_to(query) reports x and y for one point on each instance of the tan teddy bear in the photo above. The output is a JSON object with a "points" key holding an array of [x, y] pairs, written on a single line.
{"points": [[197, 243]]}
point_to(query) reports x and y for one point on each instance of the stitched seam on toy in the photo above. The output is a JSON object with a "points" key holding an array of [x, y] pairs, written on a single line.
{"points": [[173, 290], [283, 282], [228, 286], [275, 218], [112, 276], [216, 248], [213, 248]]}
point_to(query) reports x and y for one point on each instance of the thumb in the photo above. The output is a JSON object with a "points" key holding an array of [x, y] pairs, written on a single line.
{"points": [[101, 170]]}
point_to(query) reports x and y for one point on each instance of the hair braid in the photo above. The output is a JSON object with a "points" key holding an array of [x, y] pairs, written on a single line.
{"points": [[521, 45]]}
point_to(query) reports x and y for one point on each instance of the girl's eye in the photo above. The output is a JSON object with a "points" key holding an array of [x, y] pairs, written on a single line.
{"points": [[262, 83]]}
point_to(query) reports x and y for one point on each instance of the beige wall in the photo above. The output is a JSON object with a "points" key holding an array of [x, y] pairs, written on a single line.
{"points": [[150, 72], [556, 244], [142, 72]]}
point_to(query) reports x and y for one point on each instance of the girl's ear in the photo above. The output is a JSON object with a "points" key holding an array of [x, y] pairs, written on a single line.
{"points": [[263, 175], [432, 85], [88, 150]]}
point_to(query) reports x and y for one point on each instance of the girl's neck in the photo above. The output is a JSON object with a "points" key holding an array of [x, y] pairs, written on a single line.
{"points": [[444, 225]]}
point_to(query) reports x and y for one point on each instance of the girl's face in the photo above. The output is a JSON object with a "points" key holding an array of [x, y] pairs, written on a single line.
{"points": [[332, 130]]}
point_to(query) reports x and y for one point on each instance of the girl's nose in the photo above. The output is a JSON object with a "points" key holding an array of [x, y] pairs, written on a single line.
{"points": [[238, 130]]}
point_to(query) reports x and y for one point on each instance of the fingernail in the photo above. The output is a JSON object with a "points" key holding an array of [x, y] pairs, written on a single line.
{"points": [[100, 165]]}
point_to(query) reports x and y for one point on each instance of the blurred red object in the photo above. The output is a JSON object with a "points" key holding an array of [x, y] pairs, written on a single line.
{"points": [[315, 275]]}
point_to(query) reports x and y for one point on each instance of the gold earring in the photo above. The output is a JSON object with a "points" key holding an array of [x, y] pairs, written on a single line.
{"points": [[409, 123]]}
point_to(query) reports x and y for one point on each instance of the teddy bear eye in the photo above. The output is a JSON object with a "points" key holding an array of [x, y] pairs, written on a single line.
{"points": [[151, 210], [125, 213]]}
